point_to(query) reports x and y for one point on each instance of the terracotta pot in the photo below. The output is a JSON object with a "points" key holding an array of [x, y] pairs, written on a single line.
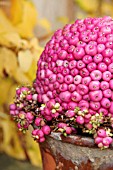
{"points": [[74, 153]]}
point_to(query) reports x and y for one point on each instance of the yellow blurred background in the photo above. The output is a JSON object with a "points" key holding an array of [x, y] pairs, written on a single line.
{"points": [[25, 27]]}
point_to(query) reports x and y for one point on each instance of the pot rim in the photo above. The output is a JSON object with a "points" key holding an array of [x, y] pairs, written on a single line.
{"points": [[75, 139]]}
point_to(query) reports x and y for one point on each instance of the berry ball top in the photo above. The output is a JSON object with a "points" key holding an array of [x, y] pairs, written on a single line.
{"points": [[76, 66]]}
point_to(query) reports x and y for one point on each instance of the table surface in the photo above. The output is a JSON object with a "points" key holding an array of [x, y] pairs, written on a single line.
{"points": [[8, 163]]}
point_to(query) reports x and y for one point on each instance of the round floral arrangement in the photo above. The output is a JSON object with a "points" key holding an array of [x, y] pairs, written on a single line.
{"points": [[73, 89]]}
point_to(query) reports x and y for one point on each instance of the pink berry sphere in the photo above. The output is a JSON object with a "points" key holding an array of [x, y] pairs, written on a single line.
{"points": [[76, 63]]}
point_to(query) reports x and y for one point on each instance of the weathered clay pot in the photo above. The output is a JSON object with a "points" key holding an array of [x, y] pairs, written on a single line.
{"points": [[74, 153]]}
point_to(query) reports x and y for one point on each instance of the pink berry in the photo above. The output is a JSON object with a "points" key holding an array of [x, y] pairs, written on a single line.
{"points": [[45, 98], [46, 130], [72, 105], [29, 116], [70, 113], [50, 94], [100, 47], [83, 104], [12, 107], [101, 133], [62, 125], [102, 40], [100, 145], [73, 40], [86, 80], [102, 67], [107, 93], [108, 52], [42, 139], [78, 53], [40, 133], [63, 87], [35, 97], [65, 71], [104, 85], [86, 97], [92, 112], [68, 79], [76, 97], [87, 59], [71, 87], [106, 142], [84, 72], [70, 51], [56, 85], [91, 66], [98, 140], [38, 121], [103, 111], [34, 132], [65, 96], [90, 49], [19, 125], [52, 78], [74, 72], [70, 57], [68, 130], [107, 60], [18, 91], [105, 102], [94, 85], [96, 95], [72, 64], [94, 105], [60, 68], [98, 58], [29, 97], [96, 75], [88, 126], [106, 76], [82, 89], [62, 54], [65, 63], [80, 64], [77, 79], [80, 120], [60, 78], [48, 72], [51, 87], [12, 112], [24, 89], [80, 44]]}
